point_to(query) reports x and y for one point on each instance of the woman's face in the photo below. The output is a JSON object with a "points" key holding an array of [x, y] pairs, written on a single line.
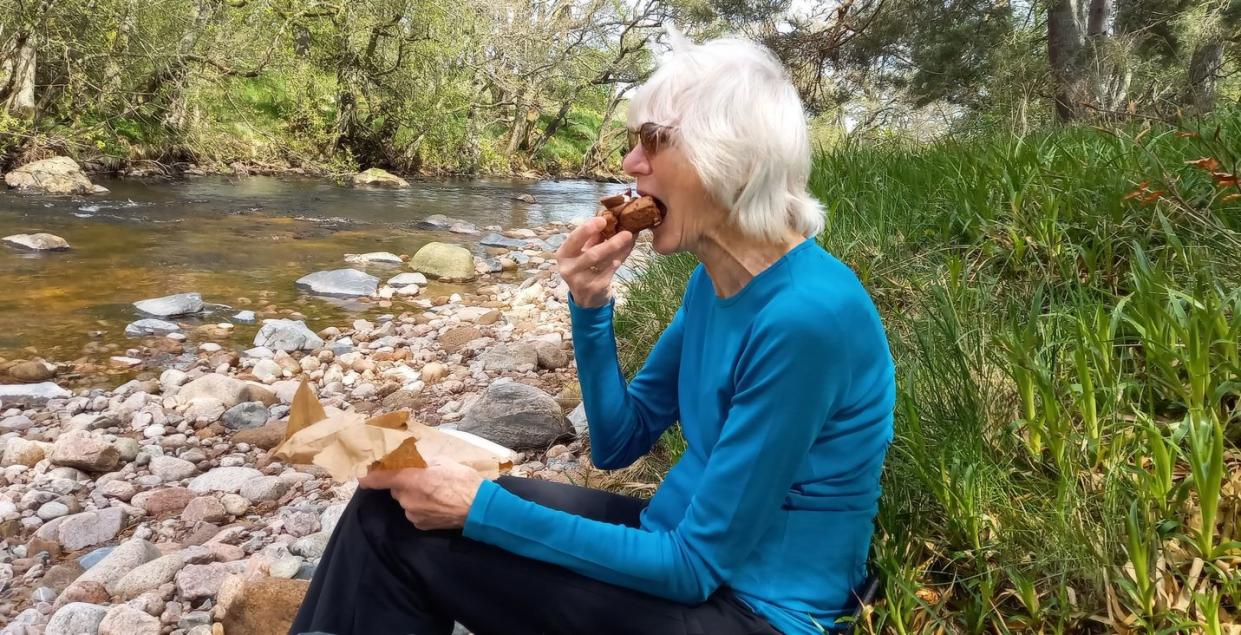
{"points": [[690, 211]]}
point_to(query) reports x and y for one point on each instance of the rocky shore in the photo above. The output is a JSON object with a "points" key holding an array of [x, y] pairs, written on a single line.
{"points": [[155, 506]]}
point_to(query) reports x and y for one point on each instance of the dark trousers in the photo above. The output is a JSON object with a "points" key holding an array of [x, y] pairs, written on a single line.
{"points": [[381, 575]]}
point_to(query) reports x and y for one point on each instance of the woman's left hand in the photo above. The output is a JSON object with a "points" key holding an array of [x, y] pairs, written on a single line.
{"points": [[434, 497]]}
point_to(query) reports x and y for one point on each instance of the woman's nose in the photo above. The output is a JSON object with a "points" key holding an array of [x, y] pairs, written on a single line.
{"points": [[635, 163]]}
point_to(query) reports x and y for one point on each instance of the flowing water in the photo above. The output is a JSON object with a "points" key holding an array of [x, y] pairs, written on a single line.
{"points": [[238, 242]]}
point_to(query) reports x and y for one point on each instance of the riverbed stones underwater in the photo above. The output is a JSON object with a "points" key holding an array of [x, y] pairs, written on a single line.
{"points": [[173, 469]]}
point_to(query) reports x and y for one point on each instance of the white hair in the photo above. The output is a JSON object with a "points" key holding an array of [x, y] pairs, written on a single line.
{"points": [[740, 122]]}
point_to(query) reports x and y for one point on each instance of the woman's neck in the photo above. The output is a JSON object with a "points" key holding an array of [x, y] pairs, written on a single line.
{"points": [[733, 259]]}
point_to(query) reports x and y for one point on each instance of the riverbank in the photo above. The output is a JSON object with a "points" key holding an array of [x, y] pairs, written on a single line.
{"points": [[154, 506]]}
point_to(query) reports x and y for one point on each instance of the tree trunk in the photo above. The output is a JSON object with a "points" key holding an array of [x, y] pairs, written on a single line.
{"points": [[18, 92], [1066, 48], [1204, 71], [555, 125], [594, 156], [1100, 17]]}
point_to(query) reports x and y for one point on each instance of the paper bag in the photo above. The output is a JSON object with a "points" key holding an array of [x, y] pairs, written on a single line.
{"points": [[348, 445]]}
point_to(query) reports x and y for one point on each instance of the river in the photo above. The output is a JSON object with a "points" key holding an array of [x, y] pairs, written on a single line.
{"points": [[240, 242]]}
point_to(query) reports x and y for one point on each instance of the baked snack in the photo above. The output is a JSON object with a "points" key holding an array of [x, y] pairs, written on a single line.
{"points": [[629, 214]]}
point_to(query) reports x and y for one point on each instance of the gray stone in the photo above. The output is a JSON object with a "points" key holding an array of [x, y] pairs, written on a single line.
{"points": [[550, 355], [16, 423], [330, 517], [57, 175], [374, 257], [31, 394], [122, 560], [227, 390], [52, 509], [82, 450], [150, 326], [510, 357], [287, 335], [379, 178], [126, 620], [250, 414], [149, 576], [515, 416], [37, 242], [285, 567], [170, 468], [445, 262], [442, 222], [311, 546], [577, 418], [198, 581], [246, 317], [264, 488], [76, 618], [90, 528], [496, 240], [340, 283], [223, 479], [171, 305], [407, 279], [525, 198]]}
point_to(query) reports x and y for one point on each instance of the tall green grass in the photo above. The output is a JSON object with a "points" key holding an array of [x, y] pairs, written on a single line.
{"points": [[1065, 317]]}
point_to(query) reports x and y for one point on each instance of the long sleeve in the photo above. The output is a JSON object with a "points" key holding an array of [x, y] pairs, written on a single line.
{"points": [[625, 420], [788, 380]]}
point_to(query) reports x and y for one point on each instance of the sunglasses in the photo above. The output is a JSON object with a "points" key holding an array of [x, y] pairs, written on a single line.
{"points": [[652, 136]]}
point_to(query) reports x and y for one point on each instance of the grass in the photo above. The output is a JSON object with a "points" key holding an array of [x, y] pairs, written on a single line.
{"points": [[1065, 316]]}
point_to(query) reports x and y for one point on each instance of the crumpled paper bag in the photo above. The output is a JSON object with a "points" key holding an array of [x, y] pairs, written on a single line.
{"points": [[348, 445]]}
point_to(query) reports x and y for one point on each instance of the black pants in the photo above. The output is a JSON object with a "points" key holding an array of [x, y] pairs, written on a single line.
{"points": [[381, 575]]}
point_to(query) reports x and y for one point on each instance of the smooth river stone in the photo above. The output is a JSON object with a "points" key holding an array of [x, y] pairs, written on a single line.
{"points": [[343, 283]]}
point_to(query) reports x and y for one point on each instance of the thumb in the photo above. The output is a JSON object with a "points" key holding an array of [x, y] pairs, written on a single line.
{"points": [[378, 479]]}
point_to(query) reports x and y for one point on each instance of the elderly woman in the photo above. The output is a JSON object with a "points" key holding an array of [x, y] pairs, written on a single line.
{"points": [[776, 366]]}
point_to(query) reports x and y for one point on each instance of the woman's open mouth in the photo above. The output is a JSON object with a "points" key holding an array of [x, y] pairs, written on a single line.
{"points": [[659, 204]]}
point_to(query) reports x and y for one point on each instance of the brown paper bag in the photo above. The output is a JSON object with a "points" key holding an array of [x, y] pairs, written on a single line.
{"points": [[348, 445]]}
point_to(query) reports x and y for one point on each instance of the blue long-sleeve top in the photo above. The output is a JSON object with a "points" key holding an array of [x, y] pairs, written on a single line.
{"points": [[785, 392]]}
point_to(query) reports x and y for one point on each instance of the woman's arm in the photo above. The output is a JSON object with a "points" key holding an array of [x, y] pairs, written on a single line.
{"points": [[625, 420], [788, 384]]}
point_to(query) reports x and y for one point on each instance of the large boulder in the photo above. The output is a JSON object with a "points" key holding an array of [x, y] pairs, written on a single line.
{"points": [[379, 178], [84, 451], [450, 263], [31, 394], [511, 357], [76, 618], [88, 529], [516, 416], [126, 620], [262, 606], [171, 305], [120, 562], [287, 335], [19, 451], [227, 390], [57, 175], [340, 283], [34, 370], [149, 576], [223, 479], [38, 242]]}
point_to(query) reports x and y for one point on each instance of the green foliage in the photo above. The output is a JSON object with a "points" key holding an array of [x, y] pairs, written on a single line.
{"points": [[1065, 316]]}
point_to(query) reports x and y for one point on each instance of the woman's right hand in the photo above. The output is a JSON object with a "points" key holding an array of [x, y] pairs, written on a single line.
{"points": [[587, 262]]}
